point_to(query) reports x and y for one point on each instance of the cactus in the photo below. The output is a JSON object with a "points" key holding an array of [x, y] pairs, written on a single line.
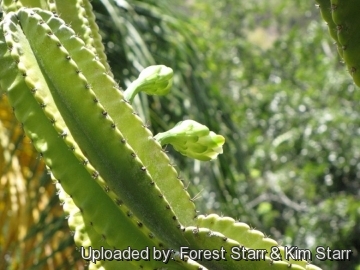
{"points": [[117, 185], [342, 19]]}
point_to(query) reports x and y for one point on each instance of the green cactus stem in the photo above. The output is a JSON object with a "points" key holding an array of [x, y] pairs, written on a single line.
{"points": [[199, 237], [82, 20], [102, 214], [326, 10], [11, 5], [77, 13], [101, 82], [344, 21], [86, 237], [138, 136], [96, 205], [153, 80], [346, 17], [248, 237], [193, 140], [115, 161]]}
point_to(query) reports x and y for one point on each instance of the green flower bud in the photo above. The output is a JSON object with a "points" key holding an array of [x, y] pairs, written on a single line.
{"points": [[193, 140], [153, 80]]}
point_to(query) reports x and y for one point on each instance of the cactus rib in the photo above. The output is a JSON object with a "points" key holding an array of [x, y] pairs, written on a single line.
{"points": [[345, 16], [199, 237], [87, 126], [13, 5], [101, 213], [84, 235], [343, 20], [246, 236], [326, 10], [82, 20]]}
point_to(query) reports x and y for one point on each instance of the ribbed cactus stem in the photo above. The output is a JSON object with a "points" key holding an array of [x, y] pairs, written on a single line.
{"points": [[124, 173], [343, 20]]}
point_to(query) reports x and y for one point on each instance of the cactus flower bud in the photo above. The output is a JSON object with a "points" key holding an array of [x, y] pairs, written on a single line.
{"points": [[193, 140], [153, 80]]}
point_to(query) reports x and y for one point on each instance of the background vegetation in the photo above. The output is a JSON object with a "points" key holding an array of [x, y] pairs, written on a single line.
{"points": [[265, 75]]}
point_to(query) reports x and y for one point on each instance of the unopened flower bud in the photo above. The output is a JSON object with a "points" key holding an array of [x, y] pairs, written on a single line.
{"points": [[193, 140], [153, 80]]}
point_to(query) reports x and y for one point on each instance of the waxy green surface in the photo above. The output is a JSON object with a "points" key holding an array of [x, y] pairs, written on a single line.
{"points": [[244, 235], [326, 13], [94, 130], [343, 21], [75, 178], [138, 136], [203, 237]]}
